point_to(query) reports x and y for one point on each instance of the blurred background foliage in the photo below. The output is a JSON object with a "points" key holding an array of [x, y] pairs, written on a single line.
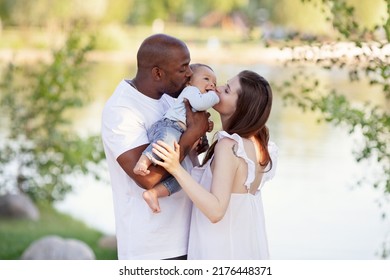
{"points": [[310, 31], [41, 150], [251, 18], [287, 24]]}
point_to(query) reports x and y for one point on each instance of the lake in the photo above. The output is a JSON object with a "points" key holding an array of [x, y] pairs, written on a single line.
{"points": [[313, 208]]}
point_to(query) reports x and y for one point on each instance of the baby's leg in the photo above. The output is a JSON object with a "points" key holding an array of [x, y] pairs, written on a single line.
{"points": [[141, 168], [151, 197]]}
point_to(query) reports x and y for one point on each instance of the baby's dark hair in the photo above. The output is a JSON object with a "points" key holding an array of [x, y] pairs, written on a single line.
{"points": [[195, 66]]}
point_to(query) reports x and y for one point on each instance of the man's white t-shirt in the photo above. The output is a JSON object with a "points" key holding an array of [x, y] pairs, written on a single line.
{"points": [[141, 234]]}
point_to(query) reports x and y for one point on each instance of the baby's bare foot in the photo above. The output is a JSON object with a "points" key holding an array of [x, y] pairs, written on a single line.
{"points": [[141, 169], [152, 200]]}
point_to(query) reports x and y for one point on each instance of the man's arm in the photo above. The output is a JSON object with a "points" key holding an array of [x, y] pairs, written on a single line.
{"points": [[128, 160], [197, 126]]}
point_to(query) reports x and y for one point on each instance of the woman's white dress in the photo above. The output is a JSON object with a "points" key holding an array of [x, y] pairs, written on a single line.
{"points": [[241, 233]]}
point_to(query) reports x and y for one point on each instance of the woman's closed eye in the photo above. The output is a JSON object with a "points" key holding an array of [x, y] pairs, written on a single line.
{"points": [[227, 88]]}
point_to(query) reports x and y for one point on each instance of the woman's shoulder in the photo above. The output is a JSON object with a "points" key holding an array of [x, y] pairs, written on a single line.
{"points": [[226, 139], [229, 142], [225, 143], [226, 152], [224, 135]]}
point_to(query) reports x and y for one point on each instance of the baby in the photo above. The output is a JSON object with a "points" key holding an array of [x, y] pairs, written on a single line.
{"points": [[201, 95]]}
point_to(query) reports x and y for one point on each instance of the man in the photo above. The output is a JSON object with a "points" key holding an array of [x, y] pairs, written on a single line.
{"points": [[162, 72]]}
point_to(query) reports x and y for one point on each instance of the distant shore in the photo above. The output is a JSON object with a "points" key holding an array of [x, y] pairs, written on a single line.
{"points": [[240, 55], [229, 54]]}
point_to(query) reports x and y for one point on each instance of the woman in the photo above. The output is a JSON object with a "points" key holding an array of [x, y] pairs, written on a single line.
{"points": [[227, 218]]}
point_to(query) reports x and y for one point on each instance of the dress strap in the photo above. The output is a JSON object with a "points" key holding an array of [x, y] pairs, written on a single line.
{"points": [[242, 154]]}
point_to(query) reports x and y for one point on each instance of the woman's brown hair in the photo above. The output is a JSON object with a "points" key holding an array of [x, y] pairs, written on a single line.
{"points": [[252, 111]]}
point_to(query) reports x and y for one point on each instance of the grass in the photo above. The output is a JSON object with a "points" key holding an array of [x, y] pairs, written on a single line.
{"points": [[17, 235]]}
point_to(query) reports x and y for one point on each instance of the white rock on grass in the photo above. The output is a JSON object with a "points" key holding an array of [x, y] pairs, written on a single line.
{"points": [[18, 206], [108, 242], [53, 247]]}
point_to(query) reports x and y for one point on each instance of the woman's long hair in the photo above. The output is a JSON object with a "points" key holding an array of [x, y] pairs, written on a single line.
{"points": [[252, 111]]}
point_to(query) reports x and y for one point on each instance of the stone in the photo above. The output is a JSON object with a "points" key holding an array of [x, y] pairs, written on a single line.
{"points": [[54, 247], [18, 206], [108, 242]]}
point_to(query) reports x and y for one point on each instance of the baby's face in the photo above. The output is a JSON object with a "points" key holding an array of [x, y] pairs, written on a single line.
{"points": [[204, 79]]}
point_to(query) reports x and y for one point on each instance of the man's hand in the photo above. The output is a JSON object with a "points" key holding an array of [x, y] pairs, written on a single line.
{"points": [[203, 145], [197, 125], [198, 118], [197, 122]]}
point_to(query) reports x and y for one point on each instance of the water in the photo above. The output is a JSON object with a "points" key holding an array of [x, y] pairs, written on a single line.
{"points": [[313, 208]]}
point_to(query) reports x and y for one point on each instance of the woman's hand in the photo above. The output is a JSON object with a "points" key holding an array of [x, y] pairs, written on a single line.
{"points": [[169, 156]]}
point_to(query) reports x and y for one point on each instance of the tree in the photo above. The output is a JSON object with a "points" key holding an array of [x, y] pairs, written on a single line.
{"points": [[43, 13], [363, 51], [39, 150]]}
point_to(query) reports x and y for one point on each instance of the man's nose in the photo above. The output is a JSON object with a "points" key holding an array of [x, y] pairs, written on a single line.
{"points": [[189, 72]]}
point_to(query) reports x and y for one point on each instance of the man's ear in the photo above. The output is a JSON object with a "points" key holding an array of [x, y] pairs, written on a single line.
{"points": [[157, 73]]}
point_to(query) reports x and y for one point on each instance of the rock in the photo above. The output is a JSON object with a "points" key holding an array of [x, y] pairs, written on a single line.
{"points": [[18, 206], [108, 242], [53, 247]]}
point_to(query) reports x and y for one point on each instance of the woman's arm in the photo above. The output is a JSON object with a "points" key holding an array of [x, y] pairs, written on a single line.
{"points": [[213, 204]]}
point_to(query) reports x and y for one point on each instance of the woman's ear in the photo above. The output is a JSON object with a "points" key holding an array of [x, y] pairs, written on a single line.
{"points": [[157, 73]]}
